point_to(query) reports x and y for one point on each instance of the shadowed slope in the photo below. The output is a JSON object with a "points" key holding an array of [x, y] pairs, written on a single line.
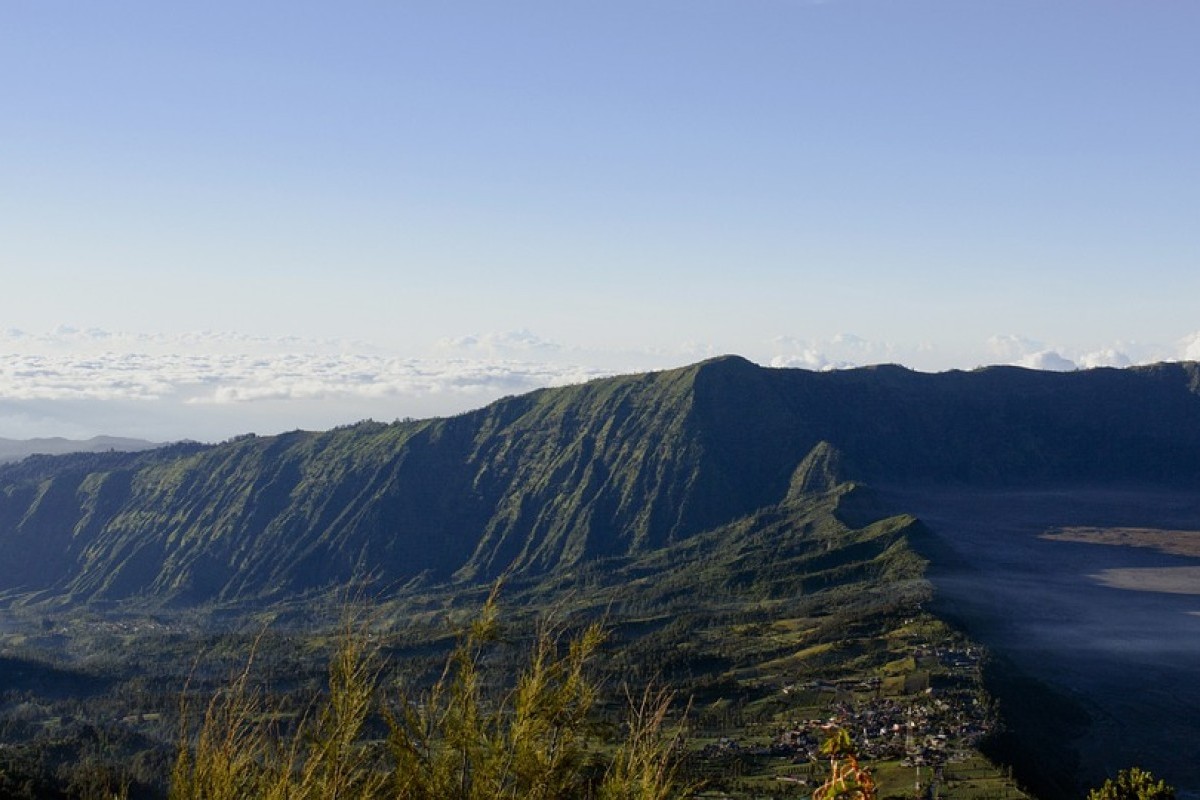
{"points": [[547, 480]]}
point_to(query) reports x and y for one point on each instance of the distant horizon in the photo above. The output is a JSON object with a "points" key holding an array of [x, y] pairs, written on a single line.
{"points": [[212, 387]]}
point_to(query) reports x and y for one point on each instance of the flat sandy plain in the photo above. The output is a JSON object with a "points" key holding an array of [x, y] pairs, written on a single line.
{"points": [[1095, 590], [1171, 580]]}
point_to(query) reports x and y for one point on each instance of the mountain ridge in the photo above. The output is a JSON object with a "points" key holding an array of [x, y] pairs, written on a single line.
{"points": [[557, 477], [16, 449]]}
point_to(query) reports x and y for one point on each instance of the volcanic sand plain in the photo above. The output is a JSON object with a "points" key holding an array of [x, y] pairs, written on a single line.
{"points": [[1093, 590]]}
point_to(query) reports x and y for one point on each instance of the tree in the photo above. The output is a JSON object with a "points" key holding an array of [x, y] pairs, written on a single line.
{"points": [[1133, 784]]}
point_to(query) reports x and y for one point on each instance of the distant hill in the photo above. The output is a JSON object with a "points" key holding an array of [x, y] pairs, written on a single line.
{"points": [[558, 477], [16, 449]]}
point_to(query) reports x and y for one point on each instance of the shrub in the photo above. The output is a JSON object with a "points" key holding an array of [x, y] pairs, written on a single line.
{"points": [[847, 780], [537, 741], [1133, 784]]}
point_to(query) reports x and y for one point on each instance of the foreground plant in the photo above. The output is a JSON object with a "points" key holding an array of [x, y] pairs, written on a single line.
{"points": [[847, 779], [1133, 784], [227, 761], [644, 766], [451, 742]]}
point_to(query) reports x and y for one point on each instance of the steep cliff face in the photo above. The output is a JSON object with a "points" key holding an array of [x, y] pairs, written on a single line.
{"points": [[547, 480]]}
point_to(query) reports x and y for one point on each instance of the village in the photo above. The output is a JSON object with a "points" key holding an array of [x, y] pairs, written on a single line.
{"points": [[920, 730]]}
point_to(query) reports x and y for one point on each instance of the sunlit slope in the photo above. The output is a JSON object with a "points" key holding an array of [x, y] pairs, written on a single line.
{"points": [[527, 484], [541, 482]]}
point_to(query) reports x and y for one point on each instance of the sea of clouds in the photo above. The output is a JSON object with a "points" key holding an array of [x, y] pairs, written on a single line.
{"points": [[213, 385], [73, 382]]}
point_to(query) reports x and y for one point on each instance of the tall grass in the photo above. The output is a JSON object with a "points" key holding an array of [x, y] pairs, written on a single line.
{"points": [[643, 766], [453, 741], [229, 759]]}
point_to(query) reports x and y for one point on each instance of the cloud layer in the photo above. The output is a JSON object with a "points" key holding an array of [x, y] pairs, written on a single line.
{"points": [[202, 376], [209, 386], [227, 368]]}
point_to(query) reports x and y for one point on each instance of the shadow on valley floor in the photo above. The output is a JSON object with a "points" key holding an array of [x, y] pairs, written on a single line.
{"points": [[1115, 628]]}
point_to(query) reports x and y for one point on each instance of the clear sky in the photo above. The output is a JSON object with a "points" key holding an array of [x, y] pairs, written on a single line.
{"points": [[220, 217]]}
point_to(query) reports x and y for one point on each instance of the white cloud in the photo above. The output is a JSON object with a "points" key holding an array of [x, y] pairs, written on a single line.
{"points": [[807, 359], [840, 351], [1046, 360], [846, 350], [1189, 347], [1107, 357], [201, 377], [1028, 352], [500, 344], [304, 378], [1011, 348], [212, 385]]}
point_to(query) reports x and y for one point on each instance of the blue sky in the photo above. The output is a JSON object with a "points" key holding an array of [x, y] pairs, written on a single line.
{"points": [[222, 217]]}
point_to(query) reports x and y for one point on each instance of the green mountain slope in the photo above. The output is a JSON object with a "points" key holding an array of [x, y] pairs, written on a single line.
{"points": [[542, 482], [717, 515]]}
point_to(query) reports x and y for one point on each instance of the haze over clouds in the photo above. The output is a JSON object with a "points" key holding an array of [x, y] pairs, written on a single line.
{"points": [[411, 209]]}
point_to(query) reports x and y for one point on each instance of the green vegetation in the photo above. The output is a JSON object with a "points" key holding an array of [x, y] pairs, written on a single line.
{"points": [[847, 779], [1133, 784], [557, 479], [782, 617], [452, 742], [710, 515]]}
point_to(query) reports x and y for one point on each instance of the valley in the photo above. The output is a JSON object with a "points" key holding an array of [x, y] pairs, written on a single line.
{"points": [[1058, 581], [1000, 558], [767, 630]]}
